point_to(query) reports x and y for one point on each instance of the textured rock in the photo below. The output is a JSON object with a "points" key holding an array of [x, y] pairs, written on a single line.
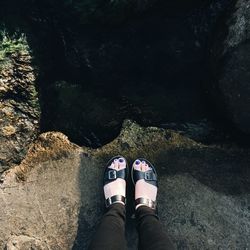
{"points": [[53, 199], [25, 242], [19, 106], [231, 65]]}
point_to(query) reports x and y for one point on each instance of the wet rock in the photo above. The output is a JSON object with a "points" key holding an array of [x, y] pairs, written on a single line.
{"points": [[231, 65], [19, 106], [54, 197]]}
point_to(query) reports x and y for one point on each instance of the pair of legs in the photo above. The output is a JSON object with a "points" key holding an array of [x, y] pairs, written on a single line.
{"points": [[110, 234]]}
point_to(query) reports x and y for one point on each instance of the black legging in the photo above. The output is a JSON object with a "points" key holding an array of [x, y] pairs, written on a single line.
{"points": [[111, 232]]}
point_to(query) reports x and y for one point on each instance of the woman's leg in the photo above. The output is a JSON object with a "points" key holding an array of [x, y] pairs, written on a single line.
{"points": [[110, 234], [151, 233]]}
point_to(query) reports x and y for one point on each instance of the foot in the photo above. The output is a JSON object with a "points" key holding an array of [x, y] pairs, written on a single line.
{"points": [[118, 186], [142, 188]]}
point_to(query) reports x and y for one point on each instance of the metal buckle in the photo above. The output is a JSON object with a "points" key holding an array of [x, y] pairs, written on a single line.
{"points": [[148, 176], [112, 174]]}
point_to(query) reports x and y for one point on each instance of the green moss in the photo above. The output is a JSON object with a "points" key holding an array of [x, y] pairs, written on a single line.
{"points": [[23, 87], [11, 45]]}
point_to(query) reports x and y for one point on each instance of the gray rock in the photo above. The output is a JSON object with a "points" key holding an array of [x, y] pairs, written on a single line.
{"points": [[231, 65], [25, 242], [53, 199]]}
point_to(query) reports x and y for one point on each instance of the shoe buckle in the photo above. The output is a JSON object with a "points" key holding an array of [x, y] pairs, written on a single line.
{"points": [[148, 176], [112, 174]]}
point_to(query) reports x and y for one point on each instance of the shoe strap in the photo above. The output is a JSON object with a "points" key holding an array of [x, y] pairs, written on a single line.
{"points": [[114, 199], [144, 201], [112, 174], [149, 176]]}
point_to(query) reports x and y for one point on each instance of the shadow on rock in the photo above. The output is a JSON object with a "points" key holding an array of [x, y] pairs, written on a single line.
{"points": [[223, 170], [203, 189]]}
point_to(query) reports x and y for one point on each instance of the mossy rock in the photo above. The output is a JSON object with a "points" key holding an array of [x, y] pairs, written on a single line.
{"points": [[19, 105]]}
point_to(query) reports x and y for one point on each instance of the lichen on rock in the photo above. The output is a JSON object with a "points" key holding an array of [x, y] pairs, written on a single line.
{"points": [[19, 105]]}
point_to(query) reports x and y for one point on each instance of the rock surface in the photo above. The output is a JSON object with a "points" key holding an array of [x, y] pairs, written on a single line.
{"points": [[19, 106], [231, 65], [53, 199], [157, 59]]}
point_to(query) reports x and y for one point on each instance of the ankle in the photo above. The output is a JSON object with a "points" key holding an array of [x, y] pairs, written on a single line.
{"points": [[143, 201], [140, 205], [119, 202]]}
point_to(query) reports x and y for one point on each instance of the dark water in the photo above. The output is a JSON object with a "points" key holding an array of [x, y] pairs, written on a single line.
{"points": [[151, 68]]}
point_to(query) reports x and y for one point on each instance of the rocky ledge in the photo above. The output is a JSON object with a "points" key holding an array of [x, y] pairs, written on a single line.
{"points": [[53, 199], [51, 189], [19, 105]]}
